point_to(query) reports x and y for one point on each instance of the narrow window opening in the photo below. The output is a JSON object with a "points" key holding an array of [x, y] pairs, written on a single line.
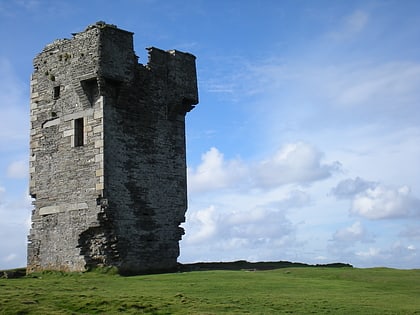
{"points": [[78, 132], [56, 92]]}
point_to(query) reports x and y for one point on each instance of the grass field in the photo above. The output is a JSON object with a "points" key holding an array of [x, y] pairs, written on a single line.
{"points": [[281, 291]]}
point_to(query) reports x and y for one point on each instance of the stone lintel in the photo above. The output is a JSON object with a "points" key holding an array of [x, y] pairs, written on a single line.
{"points": [[87, 112], [62, 208], [50, 123]]}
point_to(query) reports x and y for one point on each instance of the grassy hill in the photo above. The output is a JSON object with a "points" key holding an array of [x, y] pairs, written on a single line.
{"points": [[294, 290]]}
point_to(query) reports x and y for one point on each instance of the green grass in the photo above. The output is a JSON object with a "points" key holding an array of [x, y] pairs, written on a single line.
{"points": [[281, 291]]}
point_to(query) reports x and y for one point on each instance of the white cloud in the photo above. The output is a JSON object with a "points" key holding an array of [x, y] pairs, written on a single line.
{"points": [[254, 224], [202, 225], [396, 255], [293, 163], [251, 226], [243, 217], [372, 252], [259, 224], [327, 94], [383, 203], [214, 172], [292, 199], [355, 232], [393, 86], [18, 169], [347, 240]]}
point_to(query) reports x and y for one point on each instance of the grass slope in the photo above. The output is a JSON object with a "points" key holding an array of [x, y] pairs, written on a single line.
{"points": [[301, 290]]}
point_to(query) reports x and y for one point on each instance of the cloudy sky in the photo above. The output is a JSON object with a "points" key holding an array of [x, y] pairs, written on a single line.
{"points": [[305, 145]]}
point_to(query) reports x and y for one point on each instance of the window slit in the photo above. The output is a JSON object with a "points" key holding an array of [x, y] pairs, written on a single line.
{"points": [[56, 92], [79, 132]]}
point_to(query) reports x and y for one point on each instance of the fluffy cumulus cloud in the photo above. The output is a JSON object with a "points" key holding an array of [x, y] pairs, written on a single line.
{"points": [[348, 240], [236, 226], [237, 234], [250, 226], [214, 172], [203, 225], [386, 232], [294, 163], [259, 225], [373, 200], [242, 209], [383, 203]]}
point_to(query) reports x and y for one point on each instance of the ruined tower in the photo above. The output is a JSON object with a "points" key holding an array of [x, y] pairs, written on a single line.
{"points": [[107, 153]]}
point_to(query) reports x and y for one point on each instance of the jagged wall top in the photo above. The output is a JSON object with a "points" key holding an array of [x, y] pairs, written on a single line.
{"points": [[113, 56], [98, 25]]}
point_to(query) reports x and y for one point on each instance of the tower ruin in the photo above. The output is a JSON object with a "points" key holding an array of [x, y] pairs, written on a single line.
{"points": [[107, 153]]}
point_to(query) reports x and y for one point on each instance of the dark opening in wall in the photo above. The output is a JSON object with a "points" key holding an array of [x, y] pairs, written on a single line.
{"points": [[78, 132], [56, 92], [90, 87]]}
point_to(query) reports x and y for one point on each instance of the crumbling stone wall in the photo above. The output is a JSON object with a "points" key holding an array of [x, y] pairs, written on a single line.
{"points": [[107, 164]]}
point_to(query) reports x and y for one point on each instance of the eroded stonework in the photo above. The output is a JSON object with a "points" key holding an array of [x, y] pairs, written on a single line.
{"points": [[107, 153]]}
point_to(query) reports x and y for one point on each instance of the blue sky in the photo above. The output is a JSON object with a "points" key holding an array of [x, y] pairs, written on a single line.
{"points": [[305, 143]]}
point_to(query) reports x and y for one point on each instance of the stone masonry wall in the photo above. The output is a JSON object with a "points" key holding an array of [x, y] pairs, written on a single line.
{"points": [[116, 195]]}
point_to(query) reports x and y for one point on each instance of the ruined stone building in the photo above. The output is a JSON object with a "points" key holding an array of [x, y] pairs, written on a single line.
{"points": [[107, 153]]}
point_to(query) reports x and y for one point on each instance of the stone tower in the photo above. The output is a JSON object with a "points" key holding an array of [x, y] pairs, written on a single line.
{"points": [[107, 153]]}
